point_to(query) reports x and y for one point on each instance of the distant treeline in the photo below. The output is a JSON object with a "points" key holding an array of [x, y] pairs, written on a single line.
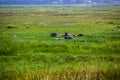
{"points": [[57, 1]]}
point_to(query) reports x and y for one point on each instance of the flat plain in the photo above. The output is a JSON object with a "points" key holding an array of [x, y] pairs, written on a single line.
{"points": [[28, 52]]}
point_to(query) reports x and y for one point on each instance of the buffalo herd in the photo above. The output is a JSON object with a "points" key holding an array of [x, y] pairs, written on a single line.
{"points": [[65, 35]]}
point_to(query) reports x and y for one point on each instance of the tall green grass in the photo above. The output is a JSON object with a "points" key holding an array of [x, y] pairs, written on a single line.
{"points": [[28, 52]]}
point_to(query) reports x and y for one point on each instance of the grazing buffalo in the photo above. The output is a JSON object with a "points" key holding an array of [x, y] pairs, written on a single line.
{"points": [[68, 36], [53, 34], [80, 35]]}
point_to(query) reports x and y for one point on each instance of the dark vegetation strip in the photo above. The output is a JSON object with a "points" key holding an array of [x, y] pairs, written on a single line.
{"points": [[65, 75]]}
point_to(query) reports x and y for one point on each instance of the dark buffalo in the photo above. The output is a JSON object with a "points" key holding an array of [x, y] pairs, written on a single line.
{"points": [[53, 34], [80, 35], [68, 36]]}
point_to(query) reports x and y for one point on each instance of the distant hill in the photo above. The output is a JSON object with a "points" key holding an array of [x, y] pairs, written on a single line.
{"points": [[39, 2]]}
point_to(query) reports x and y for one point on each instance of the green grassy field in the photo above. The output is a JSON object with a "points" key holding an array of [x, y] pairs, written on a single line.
{"points": [[28, 52]]}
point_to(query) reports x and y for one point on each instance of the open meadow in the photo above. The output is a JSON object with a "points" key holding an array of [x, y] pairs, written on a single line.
{"points": [[28, 52]]}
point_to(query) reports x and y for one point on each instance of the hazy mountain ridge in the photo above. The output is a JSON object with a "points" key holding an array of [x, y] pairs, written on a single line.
{"points": [[58, 1]]}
